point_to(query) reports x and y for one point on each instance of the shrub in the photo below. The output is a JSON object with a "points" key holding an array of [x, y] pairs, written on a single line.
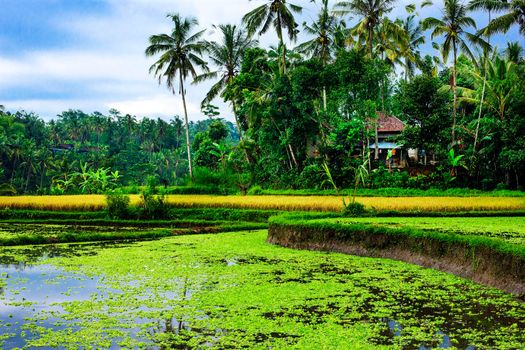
{"points": [[153, 206], [255, 190], [312, 176], [118, 206], [354, 209]]}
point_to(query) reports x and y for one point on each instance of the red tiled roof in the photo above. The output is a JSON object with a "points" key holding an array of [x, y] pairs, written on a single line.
{"points": [[388, 123]]}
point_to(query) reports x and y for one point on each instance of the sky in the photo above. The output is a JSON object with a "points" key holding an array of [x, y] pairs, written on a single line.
{"points": [[57, 55]]}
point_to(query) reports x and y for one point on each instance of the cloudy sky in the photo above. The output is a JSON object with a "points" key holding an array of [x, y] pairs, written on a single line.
{"points": [[89, 54]]}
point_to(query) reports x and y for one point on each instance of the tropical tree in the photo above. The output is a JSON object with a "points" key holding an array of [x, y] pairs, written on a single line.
{"points": [[280, 15], [180, 52], [514, 14], [415, 38], [489, 6], [453, 27], [227, 55], [500, 86], [370, 12], [323, 29], [514, 52]]}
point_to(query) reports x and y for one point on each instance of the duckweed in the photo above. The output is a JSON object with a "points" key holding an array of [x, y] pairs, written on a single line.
{"points": [[234, 290]]}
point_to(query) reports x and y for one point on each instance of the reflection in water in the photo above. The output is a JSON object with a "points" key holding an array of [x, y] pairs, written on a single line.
{"points": [[31, 292]]}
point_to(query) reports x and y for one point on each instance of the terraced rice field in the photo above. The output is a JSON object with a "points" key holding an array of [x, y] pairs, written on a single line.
{"points": [[234, 291], [308, 203]]}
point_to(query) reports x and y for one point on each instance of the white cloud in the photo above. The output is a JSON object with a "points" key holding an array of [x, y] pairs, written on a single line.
{"points": [[158, 105]]}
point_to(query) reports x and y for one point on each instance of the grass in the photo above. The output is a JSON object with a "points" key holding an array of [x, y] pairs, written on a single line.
{"points": [[272, 202], [448, 231], [236, 291], [24, 232], [508, 229]]}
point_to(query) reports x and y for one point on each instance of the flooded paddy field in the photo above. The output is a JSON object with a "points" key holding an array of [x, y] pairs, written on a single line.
{"points": [[234, 290]]}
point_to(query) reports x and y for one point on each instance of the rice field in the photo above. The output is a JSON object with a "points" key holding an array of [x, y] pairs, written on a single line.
{"points": [[289, 203]]}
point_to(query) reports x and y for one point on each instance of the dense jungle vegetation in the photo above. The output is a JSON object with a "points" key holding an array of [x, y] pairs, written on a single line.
{"points": [[302, 112]]}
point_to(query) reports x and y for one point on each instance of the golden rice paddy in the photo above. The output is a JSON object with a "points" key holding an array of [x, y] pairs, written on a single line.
{"points": [[307, 203]]}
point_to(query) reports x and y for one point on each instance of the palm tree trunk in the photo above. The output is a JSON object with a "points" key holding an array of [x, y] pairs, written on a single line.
{"points": [[370, 38], [281, 41], [234, 106], [237, 123], [455, 107], [482, 100], [324, 98], [187, 126]]}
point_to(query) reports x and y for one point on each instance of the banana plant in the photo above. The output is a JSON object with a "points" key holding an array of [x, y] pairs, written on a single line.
{"points": [[454, 162]]}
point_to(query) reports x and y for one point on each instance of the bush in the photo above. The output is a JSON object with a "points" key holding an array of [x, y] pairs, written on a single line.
{"points": [[118, 206], [153, 206], [255, 190], [354, 209]]}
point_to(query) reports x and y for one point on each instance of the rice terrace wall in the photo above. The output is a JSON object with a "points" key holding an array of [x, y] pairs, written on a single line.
{"points": [[494, 261]]}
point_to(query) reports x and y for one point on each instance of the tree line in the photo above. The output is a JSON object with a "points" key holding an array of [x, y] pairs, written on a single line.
{"points": [[300, 108]]}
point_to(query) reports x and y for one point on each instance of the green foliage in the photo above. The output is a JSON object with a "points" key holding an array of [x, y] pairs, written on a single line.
{"points": [[7, 190], [117, 206], [354, 209], [153, 206]]}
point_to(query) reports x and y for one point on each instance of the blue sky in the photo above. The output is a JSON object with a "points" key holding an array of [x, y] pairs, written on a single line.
{"points": [[89, 54]]}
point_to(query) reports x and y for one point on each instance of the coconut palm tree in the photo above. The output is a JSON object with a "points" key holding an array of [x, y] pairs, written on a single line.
{"points": [[499, 92], [514, 52], [180, 56], [453, 27], [323, 29], [227, 55], [514, 14], [415, 38], [489, 6], [371, 12], [276, 13]]}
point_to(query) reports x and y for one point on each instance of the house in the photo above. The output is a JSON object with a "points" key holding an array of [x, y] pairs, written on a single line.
{"points": [[390, 127]]}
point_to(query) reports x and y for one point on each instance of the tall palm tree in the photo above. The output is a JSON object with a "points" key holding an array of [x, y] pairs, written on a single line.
{"points": [[371, 12], [323, 29], [227, 55], [514, 14], [499, 94], [452, 26], [180, 57], [489, 6], [415, 38], [276, 13]]}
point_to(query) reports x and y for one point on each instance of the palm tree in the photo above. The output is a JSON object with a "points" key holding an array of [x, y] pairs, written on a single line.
{"points": [[180, 56], [514, 52], [515, 14], [278, 13], [371, 13], [489, 5], [323, 30], [453, 26], [227, 55], [499, 92], [416, 38]]}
